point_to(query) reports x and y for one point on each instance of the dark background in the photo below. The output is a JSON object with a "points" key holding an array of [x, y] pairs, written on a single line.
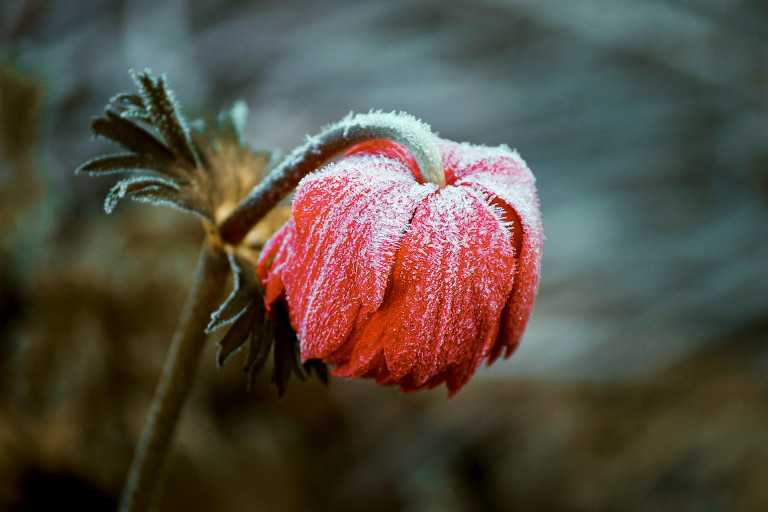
{"points": [[641, 381]]}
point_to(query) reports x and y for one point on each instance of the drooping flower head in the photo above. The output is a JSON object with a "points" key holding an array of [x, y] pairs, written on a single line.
{"points": [[389, 277]]}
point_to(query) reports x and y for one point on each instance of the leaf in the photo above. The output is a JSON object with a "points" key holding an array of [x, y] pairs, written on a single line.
{"points": [[112, 164], [128, 186], [286, 350], [246, 293], [129, 135], [262, 340], [235, 305], [159, 195], [135, 113], [245, 312], [166, 117], [128, 100], [234, 339], [210, 165], [231, 121], [318, 367], [203, 141]]}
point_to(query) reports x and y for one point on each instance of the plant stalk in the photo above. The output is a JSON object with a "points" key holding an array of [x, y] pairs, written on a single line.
{"points": [[188, 342], [175, 382], [330, 142]]}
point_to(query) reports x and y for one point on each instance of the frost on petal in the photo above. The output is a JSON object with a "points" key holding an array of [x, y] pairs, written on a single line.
{"points": [[272, 262], [350, 218], [462, 159], [450, 283], [510, 185], [391, 150]]}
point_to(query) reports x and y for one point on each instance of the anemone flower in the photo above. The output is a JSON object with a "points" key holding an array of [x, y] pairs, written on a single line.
{"points": [[389, 277]]}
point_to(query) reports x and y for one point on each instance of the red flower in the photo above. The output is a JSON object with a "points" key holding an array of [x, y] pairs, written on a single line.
{"points": [[391, 278]]}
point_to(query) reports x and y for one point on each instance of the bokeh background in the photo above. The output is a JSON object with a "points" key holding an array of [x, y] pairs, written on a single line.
{"points": [[642, 381]]}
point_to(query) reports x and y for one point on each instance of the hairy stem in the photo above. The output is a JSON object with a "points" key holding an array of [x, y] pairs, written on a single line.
{"points": [[175, 382], [316, 151]]}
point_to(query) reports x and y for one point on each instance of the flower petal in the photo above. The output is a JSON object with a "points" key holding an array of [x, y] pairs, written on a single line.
{"points": [[350, 218], [450, 283], [272, 262], [503, 176], [391, 150], [462, 159]]}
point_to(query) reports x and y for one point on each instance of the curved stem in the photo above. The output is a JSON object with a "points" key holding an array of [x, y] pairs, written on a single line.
{"points": [[316, 151], [175, 382]]}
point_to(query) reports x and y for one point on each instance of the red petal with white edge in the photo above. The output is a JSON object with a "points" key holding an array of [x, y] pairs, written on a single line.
{"points": [[505, 178], [450, 284], [272, 262], [350, 219]]}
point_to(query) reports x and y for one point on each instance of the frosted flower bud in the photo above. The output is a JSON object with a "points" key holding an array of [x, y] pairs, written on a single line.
{"points": [[389, 277]]}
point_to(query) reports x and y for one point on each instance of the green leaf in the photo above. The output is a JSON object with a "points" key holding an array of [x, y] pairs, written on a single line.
{"points": [[318, 367], [111, 164], [158, 195], [246, 294], [128, 100], [262, 340], [233, 307], [131, 136], [286, 350], [231, 121], [129, 186], [235, 337], [137, 114], [166, 117]]}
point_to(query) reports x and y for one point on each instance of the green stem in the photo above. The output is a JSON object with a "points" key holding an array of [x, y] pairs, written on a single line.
{"points": [[331, 141], [176, 381]]}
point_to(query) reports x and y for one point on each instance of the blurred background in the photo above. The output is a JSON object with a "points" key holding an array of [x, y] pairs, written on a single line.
{"points": [[642, 381]]}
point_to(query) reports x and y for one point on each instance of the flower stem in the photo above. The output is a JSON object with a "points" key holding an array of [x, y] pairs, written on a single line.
{"points": [[175, 382], [331, 141]]}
